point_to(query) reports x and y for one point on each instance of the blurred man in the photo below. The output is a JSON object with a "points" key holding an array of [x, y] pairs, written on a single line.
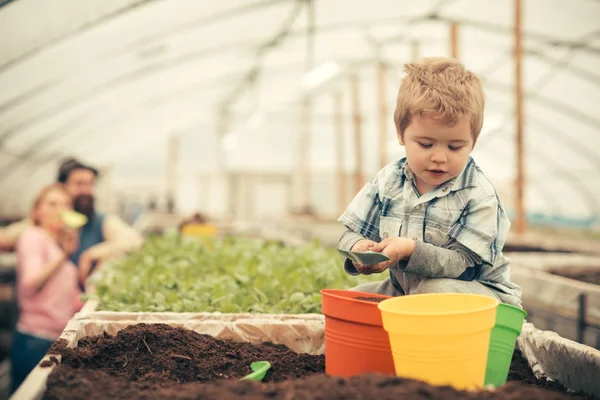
{"points": [[104, 236]]}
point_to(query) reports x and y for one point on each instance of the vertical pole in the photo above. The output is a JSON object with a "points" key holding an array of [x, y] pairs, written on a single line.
{"points": [[226, 177], [356, 117], [383, 115], [454, 40], [521, 224], [305, 194], [581, 324], [339, 153], [305, 184]]}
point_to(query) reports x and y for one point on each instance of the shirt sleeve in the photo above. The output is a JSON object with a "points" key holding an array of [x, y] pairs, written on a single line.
{"points": [[362, 214], [119, 238], [430, 261], [482, 228]]}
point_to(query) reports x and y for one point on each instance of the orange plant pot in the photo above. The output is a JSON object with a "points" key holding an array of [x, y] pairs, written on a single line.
{"points": [[355, 341]]}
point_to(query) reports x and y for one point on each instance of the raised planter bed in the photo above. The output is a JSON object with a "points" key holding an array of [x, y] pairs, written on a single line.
{"points": [[554, 302], [582, 274], [153, 361]]}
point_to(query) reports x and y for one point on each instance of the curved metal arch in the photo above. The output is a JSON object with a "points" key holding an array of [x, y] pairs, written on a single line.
{"points": [[194, 55], [545, 39], [240, 10], [72, 126], [122, 80], [559, 107], [16, 166], [70, 129], [125, 79], [217, 50], [254, 72], [125, 10], [141, 73], [571, 178], [576, 71], [131, 9], [249, 8], [563, 176], [567, 141], [550, 199], [555, 205]]}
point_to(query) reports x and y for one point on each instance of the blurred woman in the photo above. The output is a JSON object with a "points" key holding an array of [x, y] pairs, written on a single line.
{"points": [[47, 282]]}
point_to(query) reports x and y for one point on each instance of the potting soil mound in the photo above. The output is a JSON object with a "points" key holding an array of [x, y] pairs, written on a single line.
{"points": [[160, 354], [160, 362]]}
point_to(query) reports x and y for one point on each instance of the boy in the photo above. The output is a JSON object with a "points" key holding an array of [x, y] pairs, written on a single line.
{"points": [[433, 213]]}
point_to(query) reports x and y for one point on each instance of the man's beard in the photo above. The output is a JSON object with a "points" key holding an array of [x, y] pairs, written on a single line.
{"points": [[84, 204]]}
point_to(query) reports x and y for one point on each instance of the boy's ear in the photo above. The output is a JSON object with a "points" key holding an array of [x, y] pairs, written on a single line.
{"points": [[400, 136]]}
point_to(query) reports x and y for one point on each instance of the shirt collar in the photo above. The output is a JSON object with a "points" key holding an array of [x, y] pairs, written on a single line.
{"points": [[467, 178]]}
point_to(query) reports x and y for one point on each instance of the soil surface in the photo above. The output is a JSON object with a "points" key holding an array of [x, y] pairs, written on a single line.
{"points": [[161, 355], [161, 362], [589, 275], [371, 299]]}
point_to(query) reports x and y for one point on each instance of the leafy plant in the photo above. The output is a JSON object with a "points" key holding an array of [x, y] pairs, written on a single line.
{"points": [[231, 274]]}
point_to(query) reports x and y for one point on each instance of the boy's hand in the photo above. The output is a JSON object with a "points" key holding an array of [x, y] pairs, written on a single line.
{"points": [[363, 245], [396, 248]]}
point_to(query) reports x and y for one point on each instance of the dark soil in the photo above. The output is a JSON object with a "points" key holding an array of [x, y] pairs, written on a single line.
{"points": [[520, 372], [161, 362], [162, 355], [58, 347], [583, 274], [371, 299], [48, 363]]}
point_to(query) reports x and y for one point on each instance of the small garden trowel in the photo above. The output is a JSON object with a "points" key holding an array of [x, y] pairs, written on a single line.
{"points": [[260, 369]]}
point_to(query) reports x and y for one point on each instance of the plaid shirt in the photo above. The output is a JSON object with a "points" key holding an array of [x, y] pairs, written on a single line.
{"points": [[464, 211]]}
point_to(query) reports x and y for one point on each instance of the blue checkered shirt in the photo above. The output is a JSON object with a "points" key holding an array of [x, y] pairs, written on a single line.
{"points": [[463, 213]]}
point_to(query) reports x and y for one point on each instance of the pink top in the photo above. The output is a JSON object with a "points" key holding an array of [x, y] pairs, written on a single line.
{"points": [[44, 313]]}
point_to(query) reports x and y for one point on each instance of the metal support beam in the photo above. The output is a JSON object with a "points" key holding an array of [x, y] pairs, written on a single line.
{"points": [[454, 51], [383, 113], [520, 183], [305, 188], [341, 187], [357, 120]]}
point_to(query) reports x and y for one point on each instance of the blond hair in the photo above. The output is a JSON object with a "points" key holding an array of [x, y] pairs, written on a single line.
{"points": [[42, 195], [443, 89]]}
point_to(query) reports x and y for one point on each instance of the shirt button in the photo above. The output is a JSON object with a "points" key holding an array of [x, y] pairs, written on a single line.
{"points": [[418, 207], [445, 188], [385, 235]]}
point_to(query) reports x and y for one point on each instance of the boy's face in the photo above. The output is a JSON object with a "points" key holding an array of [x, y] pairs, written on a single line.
{"points": [[436, 152]]}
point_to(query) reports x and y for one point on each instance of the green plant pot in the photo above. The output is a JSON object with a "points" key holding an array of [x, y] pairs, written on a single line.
{"points": [[509, 322]]}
